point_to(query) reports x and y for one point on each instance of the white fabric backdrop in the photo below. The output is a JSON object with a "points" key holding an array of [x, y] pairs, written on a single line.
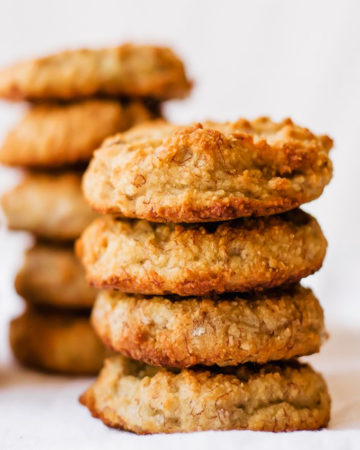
{"points": [[279, 58]]}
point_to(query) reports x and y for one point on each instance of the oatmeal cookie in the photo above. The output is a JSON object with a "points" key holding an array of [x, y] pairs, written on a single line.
{"points": [[130, 70], [49, 205], [222, 330], [275, 397], [247, 254], [53, 135], [208, 172], [51, 275], [54, 342]]}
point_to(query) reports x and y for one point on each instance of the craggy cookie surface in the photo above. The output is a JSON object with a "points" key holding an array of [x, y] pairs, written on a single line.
{"points": [[61, 343], [53, 276], [130, 70], [208, 172], [144, 399], [252, 253], [49, 205], [227, 330], [53, 135]]}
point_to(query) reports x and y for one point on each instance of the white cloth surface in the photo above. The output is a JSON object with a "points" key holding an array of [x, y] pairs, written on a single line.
{"points": [[275, 57]]}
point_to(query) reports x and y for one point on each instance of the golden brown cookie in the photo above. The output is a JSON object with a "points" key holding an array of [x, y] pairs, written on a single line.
{"points": [[224, 331], [61, 343], [53, 276], [52, 135], [188, 259], [208, 172], [49, 205], [275, 397], [130, 70]]}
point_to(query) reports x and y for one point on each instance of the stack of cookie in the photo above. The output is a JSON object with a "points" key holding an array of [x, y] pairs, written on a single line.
{"points": [[206, 310], [76, 99]]}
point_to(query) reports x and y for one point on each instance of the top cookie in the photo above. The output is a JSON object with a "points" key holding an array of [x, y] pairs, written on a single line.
{"points": [[208, 172], [130, 70]]}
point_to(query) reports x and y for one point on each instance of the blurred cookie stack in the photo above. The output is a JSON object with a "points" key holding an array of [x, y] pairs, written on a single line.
{"points": [[207, 316], [75, 100]]}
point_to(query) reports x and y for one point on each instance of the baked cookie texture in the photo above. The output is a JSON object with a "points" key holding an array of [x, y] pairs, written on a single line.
{"points": [[275, 397], [223, 330], [151, 258], [208, 172], [61, 343], [126, 70], [49, 205], [54, 135], [51, 275]]}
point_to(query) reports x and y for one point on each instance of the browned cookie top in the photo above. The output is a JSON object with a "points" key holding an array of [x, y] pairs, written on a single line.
{"points": [[130, 70], [208, 172]]}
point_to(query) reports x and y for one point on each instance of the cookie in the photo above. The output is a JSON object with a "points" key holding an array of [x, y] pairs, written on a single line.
{"points": [[275, 397], [49, 205], [246, 254], [53, 135], [130, 70], [208, 172], [61, 343], [53, 276], [224, 330]]}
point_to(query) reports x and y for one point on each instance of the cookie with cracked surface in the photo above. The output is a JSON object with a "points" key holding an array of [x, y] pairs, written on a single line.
{"points": [[59, 343], [222, 330], [197, 259], [126, 70], [208, 172], [53, 135], [132, 396], [49, 205], [52, 276]]}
